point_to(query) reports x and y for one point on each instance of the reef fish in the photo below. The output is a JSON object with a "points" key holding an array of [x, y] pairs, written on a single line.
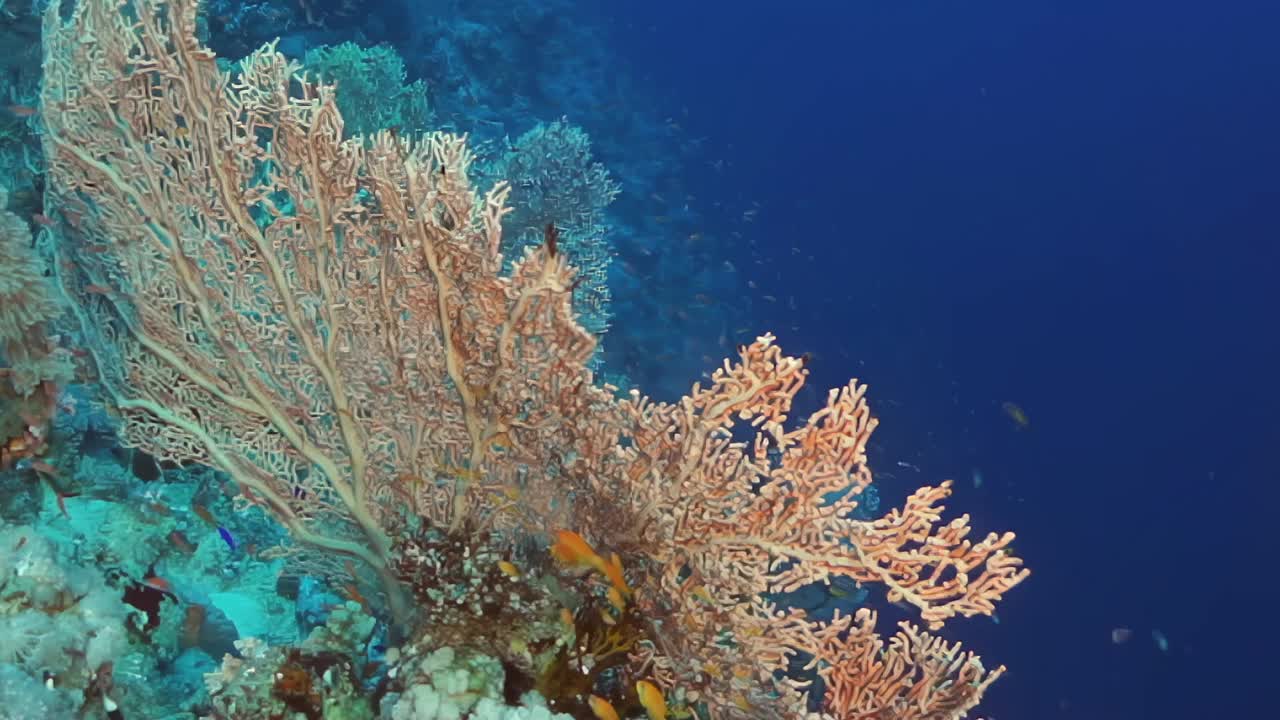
{"points": [[651, 698], [227, 537], [602, 708], [1016, 414]]}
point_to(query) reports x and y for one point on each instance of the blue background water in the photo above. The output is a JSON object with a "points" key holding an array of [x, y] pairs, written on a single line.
{"points": [[1071, 206]]}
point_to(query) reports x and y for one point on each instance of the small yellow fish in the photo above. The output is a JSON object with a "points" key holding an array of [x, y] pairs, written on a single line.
{"points": [[1016, 413], [602, 708], [509, 569], [613, 571], [652, 700], [700, 592]]}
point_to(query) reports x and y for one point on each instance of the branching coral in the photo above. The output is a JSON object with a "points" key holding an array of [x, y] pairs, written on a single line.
{"points": [[556, 180], [31, 367], [715, 525]]}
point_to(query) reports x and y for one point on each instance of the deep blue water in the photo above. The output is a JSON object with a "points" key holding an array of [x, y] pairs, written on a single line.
{"points": [[1070, 206]]}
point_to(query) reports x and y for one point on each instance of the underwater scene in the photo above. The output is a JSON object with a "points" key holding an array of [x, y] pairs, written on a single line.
{"points": [[586, 360]]}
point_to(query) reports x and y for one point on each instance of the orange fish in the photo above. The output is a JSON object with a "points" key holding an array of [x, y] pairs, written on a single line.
{"points": [[250, 496], [602, 708], [192, 622], [613, 571], [158, 583], [21, 111], [203, 513], [572, 550], [43, 467], [353, 593], [652, 700], [615, 599], [181, 542]]}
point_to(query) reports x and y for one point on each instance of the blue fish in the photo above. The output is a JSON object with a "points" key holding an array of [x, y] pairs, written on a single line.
{"points": [[226, 536]]}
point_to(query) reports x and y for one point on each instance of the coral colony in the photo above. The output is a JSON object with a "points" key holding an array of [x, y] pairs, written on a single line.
{"points": [[405, 493]]}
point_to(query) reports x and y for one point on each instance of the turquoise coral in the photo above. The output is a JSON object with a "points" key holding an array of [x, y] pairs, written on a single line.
{"points": [[372, 94]]}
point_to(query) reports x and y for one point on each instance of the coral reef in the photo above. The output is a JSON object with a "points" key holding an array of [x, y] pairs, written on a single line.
{"points": [[62, 625], [356, 389], [31, 366]]}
